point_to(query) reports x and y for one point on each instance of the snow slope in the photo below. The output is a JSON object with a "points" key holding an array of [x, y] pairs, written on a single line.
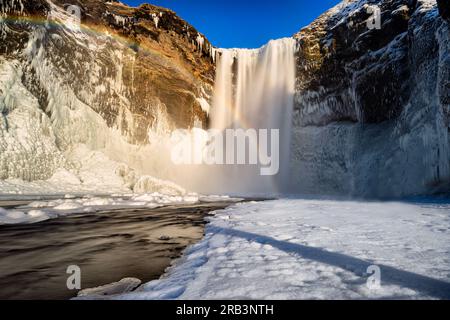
{"points": [[315, 249]]}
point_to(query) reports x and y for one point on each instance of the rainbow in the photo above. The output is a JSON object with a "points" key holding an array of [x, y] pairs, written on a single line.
{"points": [[94, 30]]}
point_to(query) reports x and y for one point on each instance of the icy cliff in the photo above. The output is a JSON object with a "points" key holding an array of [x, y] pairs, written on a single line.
{"points": [[91, 101], [372, 106], [91, 106]]}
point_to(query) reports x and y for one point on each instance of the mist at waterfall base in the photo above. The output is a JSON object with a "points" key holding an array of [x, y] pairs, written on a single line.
{"points": [[254, 89]]}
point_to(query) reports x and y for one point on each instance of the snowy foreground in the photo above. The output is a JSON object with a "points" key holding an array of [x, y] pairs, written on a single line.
{"points": [[314, 249]]}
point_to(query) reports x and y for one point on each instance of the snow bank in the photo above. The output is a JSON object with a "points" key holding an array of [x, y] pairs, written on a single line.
{"points": [[123, 286], [150, 184], [91, 172], [15, 216], [38, 211], [311, 249]]}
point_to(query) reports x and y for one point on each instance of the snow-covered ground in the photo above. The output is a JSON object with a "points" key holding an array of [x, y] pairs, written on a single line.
{"points": [[315, 249]]}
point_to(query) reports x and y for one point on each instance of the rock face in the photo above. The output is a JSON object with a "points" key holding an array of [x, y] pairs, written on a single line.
{"points": [[444, 8], [118, 82], [96, 99], [372, 106]]}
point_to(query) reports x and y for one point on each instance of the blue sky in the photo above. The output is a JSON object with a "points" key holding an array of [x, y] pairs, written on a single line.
{"points": [[245, 23]]}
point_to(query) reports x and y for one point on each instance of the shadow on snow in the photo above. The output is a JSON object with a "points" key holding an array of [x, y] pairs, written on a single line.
{"points": [[433, 287]]}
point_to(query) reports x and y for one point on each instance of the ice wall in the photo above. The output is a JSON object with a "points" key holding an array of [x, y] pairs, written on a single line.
{"points": [[372, 110], [88, 107]]}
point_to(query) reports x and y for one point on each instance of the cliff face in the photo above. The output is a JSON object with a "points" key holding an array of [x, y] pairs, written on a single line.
{"points": [[127, 76], [444, 9], [161, 62], [92, 105], [372, 106]]}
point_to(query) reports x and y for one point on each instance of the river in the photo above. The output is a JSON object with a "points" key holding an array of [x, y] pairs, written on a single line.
{"points": [[107, 246]]}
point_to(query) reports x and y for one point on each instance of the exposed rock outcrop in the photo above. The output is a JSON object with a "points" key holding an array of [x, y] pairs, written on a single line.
{"points": [[444, 8]]}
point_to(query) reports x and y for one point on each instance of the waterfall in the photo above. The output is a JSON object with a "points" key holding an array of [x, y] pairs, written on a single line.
{"points": [[254, 89]]}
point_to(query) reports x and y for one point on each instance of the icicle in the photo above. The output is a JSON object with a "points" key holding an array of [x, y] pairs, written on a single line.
{"points": [[200, 42], [155, 19]]}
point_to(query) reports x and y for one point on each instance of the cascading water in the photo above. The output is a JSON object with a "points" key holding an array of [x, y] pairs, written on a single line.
{"points": [[254, 90]]}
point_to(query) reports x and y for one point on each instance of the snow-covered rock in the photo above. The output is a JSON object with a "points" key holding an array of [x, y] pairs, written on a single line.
{"points": [[78, 105], [121, 287], [38, 211], [20, 217], [372, 107], [147, 184]]}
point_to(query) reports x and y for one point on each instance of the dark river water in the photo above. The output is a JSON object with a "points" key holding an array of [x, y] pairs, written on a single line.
{"points": [[107, 246]]}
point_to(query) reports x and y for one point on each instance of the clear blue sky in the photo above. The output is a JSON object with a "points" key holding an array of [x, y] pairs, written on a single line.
{"points": [[245, 23]]}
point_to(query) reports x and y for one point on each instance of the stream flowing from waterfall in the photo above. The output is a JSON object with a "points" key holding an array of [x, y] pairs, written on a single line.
{"points": [[254, 91], [108, 246]]}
